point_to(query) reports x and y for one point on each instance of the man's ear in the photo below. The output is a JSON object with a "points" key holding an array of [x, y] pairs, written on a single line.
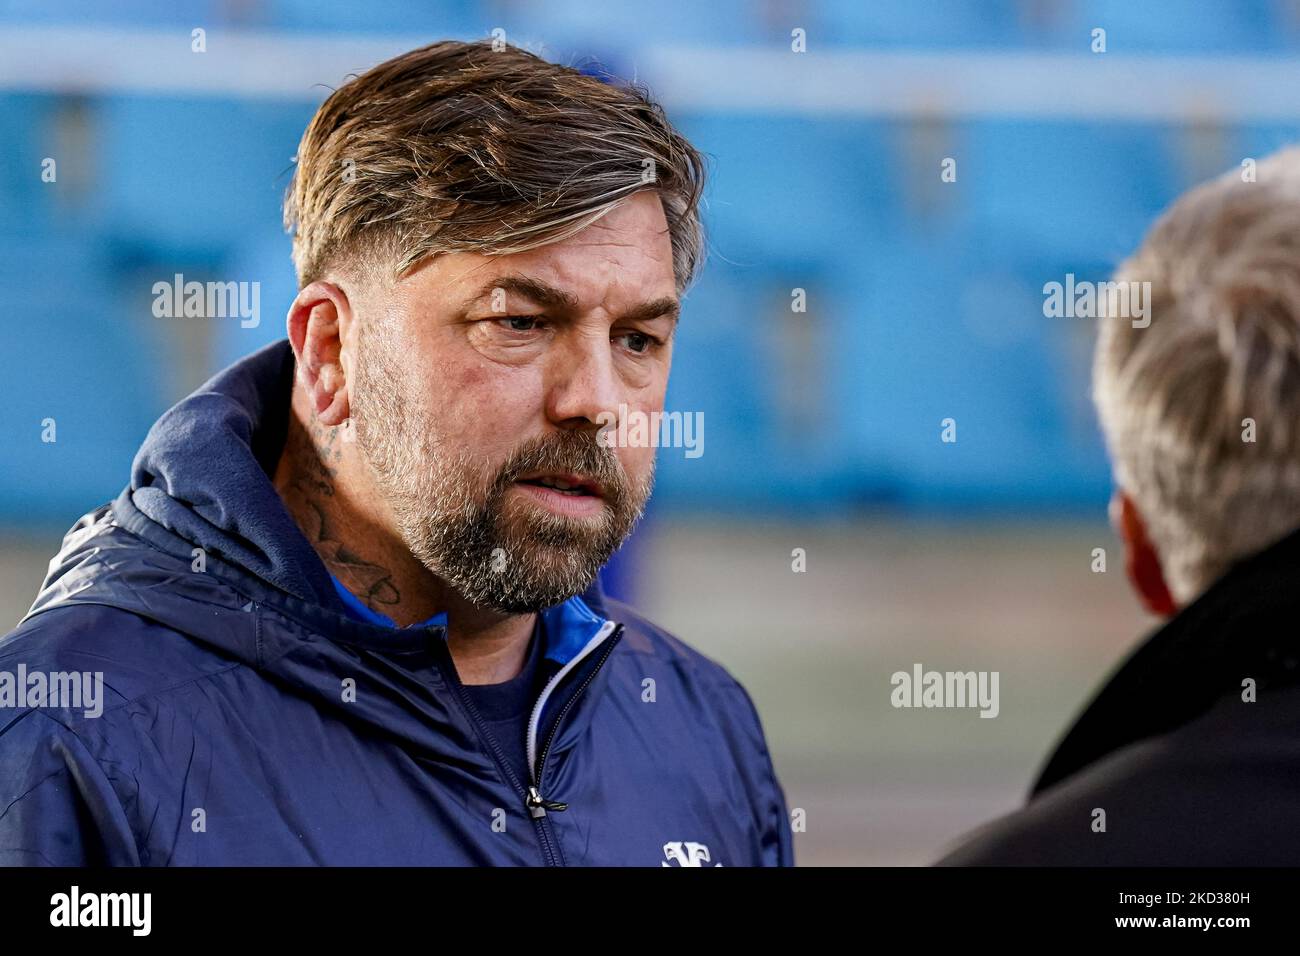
{"points": [[1141, 561], [317, 323]]}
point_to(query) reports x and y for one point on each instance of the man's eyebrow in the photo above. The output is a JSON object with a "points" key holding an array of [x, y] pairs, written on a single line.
{"points": [[667, 307], [551, 297], [535, 290]]}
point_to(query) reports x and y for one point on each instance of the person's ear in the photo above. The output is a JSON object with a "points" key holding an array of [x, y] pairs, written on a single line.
{"points": [[317, 324], [1141, 561]]}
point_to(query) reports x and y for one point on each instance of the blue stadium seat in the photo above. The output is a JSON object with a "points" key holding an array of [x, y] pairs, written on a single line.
{"points": [[74, 351]]}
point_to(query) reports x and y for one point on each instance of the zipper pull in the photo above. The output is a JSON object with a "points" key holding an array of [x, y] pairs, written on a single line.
{"points": [[538, 807]]}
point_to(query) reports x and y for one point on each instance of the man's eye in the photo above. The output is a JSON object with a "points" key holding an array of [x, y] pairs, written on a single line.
{"points": [[520, 323], [638, 341]]}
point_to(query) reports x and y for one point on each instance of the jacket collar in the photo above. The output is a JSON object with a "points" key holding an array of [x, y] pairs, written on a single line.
{"points": [[1243, 626], [202, 479]]}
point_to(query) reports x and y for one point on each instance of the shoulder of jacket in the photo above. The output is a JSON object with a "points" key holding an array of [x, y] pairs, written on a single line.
{"points": [[642, 636], [717, 684], [1131, 806], [121, 654]]}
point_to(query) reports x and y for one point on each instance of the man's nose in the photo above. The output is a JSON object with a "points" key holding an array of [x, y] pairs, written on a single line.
{"points": [[584, 389]]}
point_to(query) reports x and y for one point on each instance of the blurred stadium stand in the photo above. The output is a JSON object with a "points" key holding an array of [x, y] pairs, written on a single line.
{"points": [[923, 297]]}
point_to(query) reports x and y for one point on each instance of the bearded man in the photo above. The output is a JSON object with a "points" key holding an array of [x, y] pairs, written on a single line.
{"points": [[347, 610]]}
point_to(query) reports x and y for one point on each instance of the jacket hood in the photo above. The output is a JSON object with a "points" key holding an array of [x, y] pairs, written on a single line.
{"points": [[202, 480], [204, 471]]}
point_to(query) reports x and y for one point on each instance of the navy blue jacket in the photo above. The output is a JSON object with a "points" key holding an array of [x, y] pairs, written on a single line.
{"points": [[249, 719]]}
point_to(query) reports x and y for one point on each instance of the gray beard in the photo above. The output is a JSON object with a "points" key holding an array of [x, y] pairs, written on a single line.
{"points": [[455, 514]]}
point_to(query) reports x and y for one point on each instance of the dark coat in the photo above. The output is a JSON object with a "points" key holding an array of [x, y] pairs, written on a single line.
{"points": [[1187, 771]]}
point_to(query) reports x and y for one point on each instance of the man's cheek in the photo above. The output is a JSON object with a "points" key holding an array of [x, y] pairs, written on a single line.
{"points": [[479, 397], [637, 460], [463, 382]]}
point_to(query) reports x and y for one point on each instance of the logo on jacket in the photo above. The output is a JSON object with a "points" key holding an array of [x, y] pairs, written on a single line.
{"points": [[686, 854]]}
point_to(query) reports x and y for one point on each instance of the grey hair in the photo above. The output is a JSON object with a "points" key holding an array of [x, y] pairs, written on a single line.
{"points": [[1201, 409]]}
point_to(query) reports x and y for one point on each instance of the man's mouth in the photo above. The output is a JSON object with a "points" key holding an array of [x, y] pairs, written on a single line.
{"points": [[576, 486]]}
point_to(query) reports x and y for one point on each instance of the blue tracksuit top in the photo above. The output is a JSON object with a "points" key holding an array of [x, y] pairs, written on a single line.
{"points": [[247, 718]]}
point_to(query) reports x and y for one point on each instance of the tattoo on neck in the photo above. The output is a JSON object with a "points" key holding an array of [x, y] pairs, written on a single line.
{"points": [[311, 500]]}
